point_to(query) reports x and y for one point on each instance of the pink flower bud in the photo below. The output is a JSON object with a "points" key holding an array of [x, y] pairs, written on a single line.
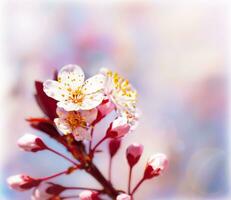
{"points": [[47, 191], [118, 128], [88, 195], [123, 197], [22, 182], [104, 109], [32, 143], [155, 165], [134, 151], [114, 146]]}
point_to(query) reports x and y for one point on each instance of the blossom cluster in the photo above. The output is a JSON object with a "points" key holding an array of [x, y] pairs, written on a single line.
{"points": [[73, 107]]}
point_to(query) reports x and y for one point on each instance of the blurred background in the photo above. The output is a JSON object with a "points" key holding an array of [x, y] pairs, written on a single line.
{"points": [[173, 52]]}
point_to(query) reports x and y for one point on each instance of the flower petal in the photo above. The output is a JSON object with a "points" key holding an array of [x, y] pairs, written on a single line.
{"points": [[55, 90], [68, 105], [71, 76], [61, 112], [63, 126], [89, 115], [81, 134], [94, 84], [92, 100]]}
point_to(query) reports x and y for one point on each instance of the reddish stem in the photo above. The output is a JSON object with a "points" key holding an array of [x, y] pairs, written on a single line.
{"points": [[56, 175], [83, 188], [61, 155], [90, 143], [137, 186], [110, 168], [129, 179], [95, 147]]}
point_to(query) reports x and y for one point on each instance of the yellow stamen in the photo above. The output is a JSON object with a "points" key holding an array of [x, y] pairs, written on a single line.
{"points": [[122, 85], [76, 96], [75, 120]]}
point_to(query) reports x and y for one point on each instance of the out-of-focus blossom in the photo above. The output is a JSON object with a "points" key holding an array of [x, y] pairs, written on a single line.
{"points": [[88, 195], [22, 182], [156, 165], [114, 146], [72, 93], [118, 128], [76, 122], [120, 91], [132, 118], [123, 197], [133, 153], [47, 191], [32, 143]]}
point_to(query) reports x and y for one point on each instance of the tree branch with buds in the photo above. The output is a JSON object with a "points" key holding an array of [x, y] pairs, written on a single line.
{"points": [[72, 108]]}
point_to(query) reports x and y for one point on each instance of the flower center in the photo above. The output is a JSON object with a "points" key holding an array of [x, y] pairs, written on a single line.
{"points": [[76, 96], [75, 120]]}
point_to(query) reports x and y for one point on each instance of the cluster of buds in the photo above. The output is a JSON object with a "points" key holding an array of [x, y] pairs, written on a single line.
{"points": [[72, 108]]}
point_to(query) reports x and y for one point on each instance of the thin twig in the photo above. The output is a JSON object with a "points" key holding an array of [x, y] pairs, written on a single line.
{"points": [[90, 143], [83, 188], [129, 179], [61, 155], [55, 175], [110, 168], [137, 186], [95, 147]]}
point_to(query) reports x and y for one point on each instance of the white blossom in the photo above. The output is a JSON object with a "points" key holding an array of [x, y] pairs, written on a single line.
{"points": [[123, 95], [75, 122], [72, 93], [120, 91]]}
